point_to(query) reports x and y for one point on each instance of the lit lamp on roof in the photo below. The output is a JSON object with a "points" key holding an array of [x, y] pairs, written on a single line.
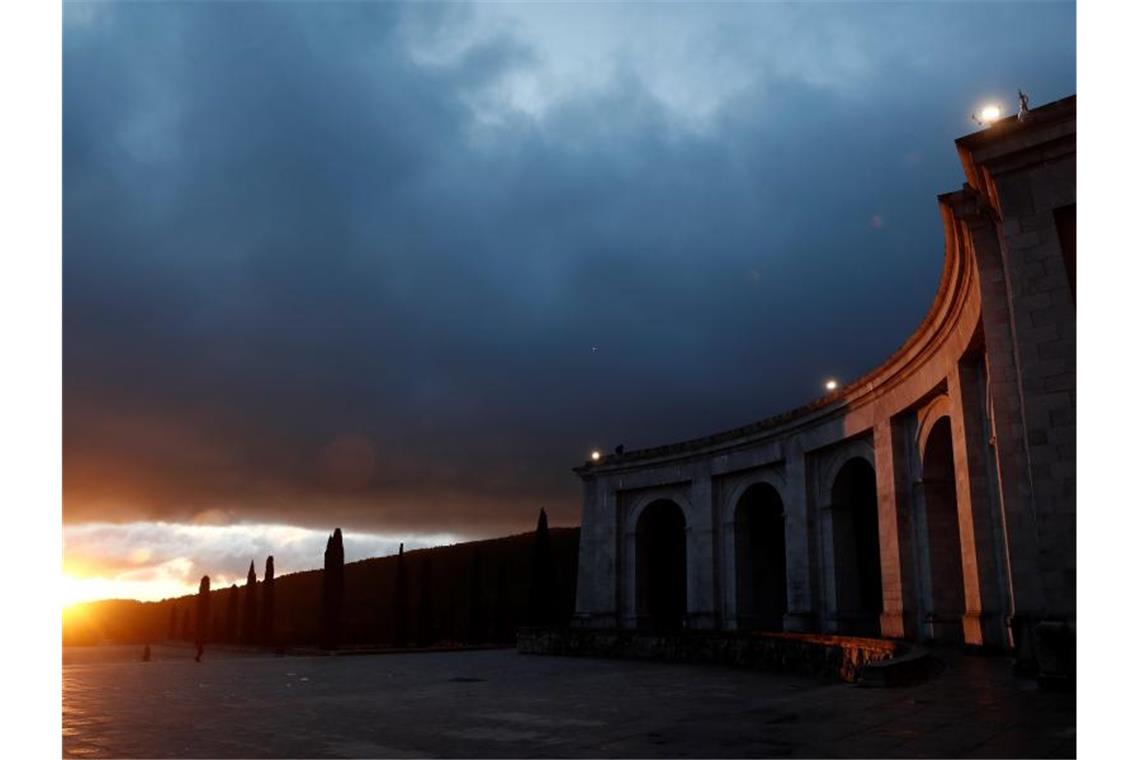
{"points": [[595, 456], [831, 385], [989, 114]]}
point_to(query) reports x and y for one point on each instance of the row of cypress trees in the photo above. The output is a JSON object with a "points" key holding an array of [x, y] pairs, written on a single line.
{"points": [[542, 599], [246, 620], [249, 614]]}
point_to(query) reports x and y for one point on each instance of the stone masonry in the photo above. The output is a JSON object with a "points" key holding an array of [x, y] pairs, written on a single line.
{"points": [[933, 498]]}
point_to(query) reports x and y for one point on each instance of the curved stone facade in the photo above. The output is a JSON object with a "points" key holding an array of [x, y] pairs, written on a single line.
{"points": [[933, 498]]}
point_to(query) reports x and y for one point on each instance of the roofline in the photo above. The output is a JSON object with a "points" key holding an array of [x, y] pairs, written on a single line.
{"points": [[818, 408], [1043, 120]]}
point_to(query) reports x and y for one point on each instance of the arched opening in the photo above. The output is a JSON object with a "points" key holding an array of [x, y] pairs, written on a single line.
{"points": [[946, 602], [660, 548], [761, 569], [855, 532]]}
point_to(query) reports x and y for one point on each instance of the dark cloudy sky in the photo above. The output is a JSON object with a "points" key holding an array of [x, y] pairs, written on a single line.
{"points": [[397, 268]]}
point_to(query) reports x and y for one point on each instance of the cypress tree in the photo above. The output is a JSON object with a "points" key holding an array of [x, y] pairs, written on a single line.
{"points": [[504, 610], [218, 618], [476, 615], [332, 591], [268, 606], [203, 610], [425, 614], [249, 613], [231, 627], [401, 601], [543, 599], [449, 622]]}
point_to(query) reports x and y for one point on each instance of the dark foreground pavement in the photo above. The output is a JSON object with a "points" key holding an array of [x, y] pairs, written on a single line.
{"points": [[503, 704]]}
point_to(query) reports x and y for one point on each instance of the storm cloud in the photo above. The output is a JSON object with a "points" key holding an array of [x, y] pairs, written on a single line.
{"points": [[399, 267]]}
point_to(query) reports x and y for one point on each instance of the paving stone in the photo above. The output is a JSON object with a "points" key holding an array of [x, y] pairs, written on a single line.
{"points": [[498, 703]]}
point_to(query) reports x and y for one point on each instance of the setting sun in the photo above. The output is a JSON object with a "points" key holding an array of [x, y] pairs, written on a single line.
{"points": [[76, 588], [71, 591]]}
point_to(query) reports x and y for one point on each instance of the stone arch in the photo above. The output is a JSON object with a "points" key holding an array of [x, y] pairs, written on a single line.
{"points": [[861, 448], [730, 491], [853, 528], [759, 549], [944, 588], [642, 500], [660, 566], [928, 416], [633, 507], [771, 477]]}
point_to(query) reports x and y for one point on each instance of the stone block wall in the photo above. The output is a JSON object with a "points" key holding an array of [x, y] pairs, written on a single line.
{"points": [[1028, 181], [841, 658]]}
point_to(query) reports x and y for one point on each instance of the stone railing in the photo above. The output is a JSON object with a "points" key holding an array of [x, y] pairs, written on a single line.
{"points": [[842, 657]]}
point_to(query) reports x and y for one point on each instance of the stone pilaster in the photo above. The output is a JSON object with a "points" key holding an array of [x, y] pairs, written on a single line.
{"points": [[801, 615], [895, 552], [983, 557], [828, 593], [596, 605], [1009, 445], [728, 603], [701, 559]]}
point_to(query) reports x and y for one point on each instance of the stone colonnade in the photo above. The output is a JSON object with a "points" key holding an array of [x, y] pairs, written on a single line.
{"points": [[933, 498]]}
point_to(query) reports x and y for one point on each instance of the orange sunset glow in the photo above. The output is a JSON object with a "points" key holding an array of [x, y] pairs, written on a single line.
{"points": [[153, 561]]}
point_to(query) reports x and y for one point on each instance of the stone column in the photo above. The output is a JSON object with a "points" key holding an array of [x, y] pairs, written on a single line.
{"points": [[909, 471], [983, 573], [1009, 444], [829, 592], [797, 542], [895, 552], [700, 540], [628, 612], [596, 602], [729, 619]]}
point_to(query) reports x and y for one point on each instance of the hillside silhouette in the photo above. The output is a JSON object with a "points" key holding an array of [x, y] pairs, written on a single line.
{"points": [[474, 592]]}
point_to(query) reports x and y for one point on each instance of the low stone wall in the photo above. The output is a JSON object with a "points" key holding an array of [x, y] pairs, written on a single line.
{"points": [[840, 657], [1055, 653]]}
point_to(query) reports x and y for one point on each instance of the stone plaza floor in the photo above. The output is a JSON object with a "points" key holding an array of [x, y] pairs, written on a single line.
{"points": [[497, 703]]}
